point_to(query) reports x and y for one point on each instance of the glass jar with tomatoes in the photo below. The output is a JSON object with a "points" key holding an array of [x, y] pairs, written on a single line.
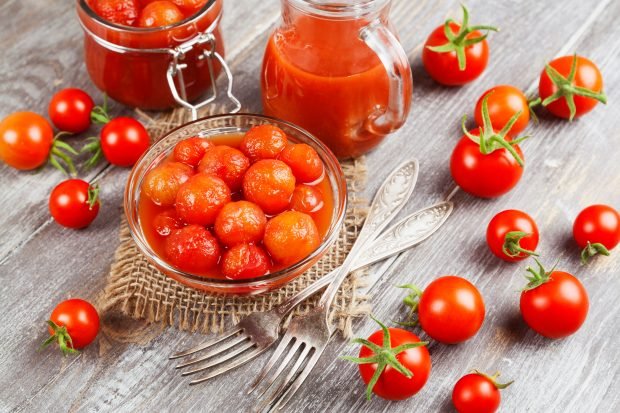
{"points": [[154, 67]]}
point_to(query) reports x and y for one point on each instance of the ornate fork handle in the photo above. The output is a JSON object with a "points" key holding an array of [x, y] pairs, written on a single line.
{"points": [[412, 230], [390, 199]]}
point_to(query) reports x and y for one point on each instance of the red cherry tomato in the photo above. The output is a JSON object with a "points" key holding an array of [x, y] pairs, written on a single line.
{"points": [[290, 237], [457, 58], [74, 203], [190, 151], [404, 373], [245, 261], [25, 140], [451, 309], [74, 324], [123, 141], [597, 230], [306, 199], [572, 78], [503, 103], [162, 183], [123, 12], [554, 304], [193, 249], [167, 221], [200, 199], [189, 7], [512, 235], [477, 393], [240, 222], [228, 163], [485, 176], [270, 184], [304, 161], [263, 142], [159, 13], [70, 110]]}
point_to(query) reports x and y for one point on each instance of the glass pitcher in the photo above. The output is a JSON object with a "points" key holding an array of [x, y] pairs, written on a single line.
{"points": [[336, 69]]}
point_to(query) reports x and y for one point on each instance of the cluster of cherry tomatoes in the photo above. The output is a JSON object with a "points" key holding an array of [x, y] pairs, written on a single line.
{"points": [[146, 13], [27, 142], [487, 162], [246, 207], [512, 235], [395, 364]]}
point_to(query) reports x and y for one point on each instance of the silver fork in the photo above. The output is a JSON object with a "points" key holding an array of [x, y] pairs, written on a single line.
{"points": [[263, 329], [307, 336], [258, 331]]}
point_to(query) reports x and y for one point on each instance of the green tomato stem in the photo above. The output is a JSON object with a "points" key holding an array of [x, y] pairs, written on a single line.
{"points": [[383, 356]]}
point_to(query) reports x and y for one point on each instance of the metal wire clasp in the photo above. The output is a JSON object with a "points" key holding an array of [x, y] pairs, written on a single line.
{"points": [[206, 41]]}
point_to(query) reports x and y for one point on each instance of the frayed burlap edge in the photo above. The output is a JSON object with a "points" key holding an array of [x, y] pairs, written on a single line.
{"points": [[137, 289]]}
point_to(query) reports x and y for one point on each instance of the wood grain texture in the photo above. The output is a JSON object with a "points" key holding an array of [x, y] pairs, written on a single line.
{"points": [[569, 166]]}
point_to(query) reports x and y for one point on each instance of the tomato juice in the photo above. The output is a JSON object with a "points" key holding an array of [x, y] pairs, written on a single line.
{"points": [[319, 74]]}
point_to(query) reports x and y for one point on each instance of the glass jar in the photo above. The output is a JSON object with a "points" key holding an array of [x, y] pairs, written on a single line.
{"points": [[155, 68], [337, 69]]}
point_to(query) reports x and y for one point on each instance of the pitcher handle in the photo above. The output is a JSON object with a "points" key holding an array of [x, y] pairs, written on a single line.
{"points": [[391, 53]]}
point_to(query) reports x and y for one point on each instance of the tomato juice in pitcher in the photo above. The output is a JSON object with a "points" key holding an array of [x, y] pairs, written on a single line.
{"points": [[337, 70]]}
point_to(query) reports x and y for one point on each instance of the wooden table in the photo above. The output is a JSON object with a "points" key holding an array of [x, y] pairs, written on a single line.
{"points": [[569, 166]]}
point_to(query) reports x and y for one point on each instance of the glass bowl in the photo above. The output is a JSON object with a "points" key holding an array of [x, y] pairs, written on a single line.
{"points": [[216, 126]]}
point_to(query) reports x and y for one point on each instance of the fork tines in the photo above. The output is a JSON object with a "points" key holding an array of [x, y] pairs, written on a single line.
{"points": [[294, 359], [233, 344]]}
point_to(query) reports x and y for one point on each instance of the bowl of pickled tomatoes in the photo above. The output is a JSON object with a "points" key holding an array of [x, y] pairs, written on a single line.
{"points": [[236, 204]]}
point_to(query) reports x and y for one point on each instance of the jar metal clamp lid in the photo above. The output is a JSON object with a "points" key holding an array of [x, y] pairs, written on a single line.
{"points": [[206, 40]]}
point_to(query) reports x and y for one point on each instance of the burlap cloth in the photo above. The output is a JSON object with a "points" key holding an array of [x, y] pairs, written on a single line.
{"points": [[137, 289]]}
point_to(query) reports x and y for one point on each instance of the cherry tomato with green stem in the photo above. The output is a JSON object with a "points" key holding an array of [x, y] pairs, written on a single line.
{"points": [[570, 86], [74, 203], [70, 110], [122, 142], [554, 303], [485, 163], [504, 102], [478, 393], [394, 363], [27, 142], [596, 230], [456, 54], [512, 235], [73, 324], [450, 309]]}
